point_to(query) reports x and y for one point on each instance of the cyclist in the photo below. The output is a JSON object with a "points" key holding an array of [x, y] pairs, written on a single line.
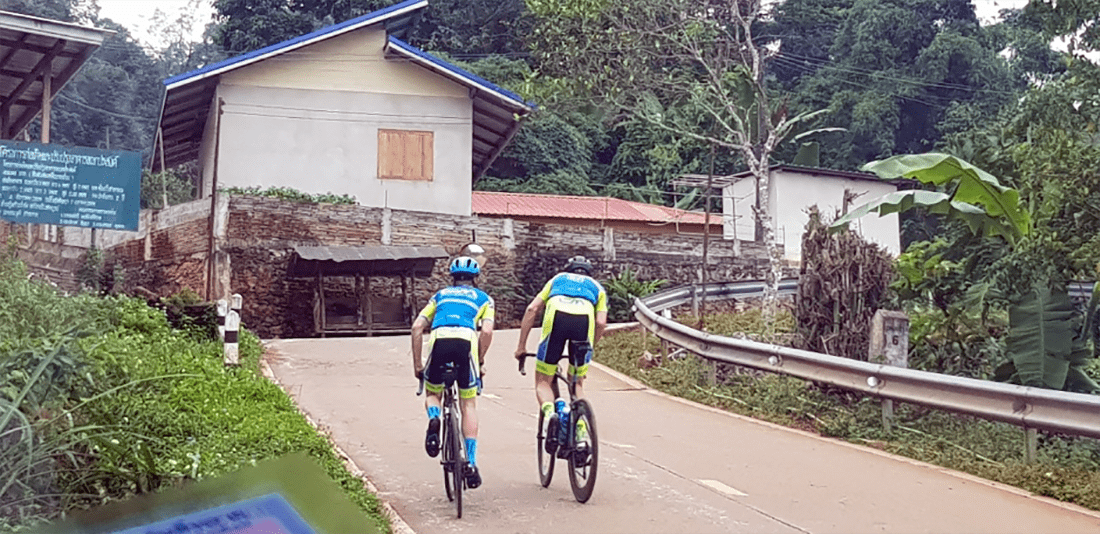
{"points": [[575, 309], [454, 314]]}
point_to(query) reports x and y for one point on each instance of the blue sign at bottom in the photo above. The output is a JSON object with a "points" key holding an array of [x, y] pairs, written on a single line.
{"points": [[269, 514]]}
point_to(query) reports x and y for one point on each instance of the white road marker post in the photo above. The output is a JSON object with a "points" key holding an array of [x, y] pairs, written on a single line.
{"points": [[232, 326], [223, 309]]}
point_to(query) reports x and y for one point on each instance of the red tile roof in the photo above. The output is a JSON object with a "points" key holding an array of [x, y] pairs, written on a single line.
{"points": [[577, 207]]}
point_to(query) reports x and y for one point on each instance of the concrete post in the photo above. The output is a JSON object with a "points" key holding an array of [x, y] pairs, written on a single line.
{"points": [[235, 303], [223, 310], [232, 326], [890, 346]]}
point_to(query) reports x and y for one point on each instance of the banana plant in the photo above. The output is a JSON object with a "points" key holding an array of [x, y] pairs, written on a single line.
{"points": [[1047, 341]]}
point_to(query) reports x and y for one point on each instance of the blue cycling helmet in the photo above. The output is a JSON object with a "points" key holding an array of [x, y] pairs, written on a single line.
{"points": [[465, 265]]}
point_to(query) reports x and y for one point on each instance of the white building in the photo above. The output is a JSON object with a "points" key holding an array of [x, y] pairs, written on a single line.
{"points": [[348, 109], [793, 190]]}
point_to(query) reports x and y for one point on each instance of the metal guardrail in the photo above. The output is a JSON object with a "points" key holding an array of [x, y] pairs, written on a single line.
{"points": [[675, 296], [1028, 407]]}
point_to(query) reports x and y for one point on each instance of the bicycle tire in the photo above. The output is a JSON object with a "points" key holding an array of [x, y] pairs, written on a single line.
{"points": [[459, 466], [448, 456], [545, 459], [582, 469]]}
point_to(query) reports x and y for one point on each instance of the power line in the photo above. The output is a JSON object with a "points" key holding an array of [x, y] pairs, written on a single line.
{"points": [[795, 59], [100, 110]]}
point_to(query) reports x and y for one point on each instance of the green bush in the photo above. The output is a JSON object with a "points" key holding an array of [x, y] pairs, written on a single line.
{"points": [[287, 193], [101, 399], [622, 290]]}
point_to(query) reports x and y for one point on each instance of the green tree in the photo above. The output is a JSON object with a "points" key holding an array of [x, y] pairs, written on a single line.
{"points": [[693, 68], [898, 75]]}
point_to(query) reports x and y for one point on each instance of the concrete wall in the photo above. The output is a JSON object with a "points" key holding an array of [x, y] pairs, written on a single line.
{"points": [[793, 193], [254, 239], [310, 121]]}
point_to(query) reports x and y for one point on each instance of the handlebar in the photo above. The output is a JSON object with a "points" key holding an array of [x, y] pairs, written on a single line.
{"points": [[420, 389], [522, 361]]}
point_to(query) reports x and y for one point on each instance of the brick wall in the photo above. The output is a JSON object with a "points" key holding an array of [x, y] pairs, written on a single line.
{"points": [[256, 247]]}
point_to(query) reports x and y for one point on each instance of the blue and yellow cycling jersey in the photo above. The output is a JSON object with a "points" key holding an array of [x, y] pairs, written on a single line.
{"points": [[459, 307], [574, 293]]}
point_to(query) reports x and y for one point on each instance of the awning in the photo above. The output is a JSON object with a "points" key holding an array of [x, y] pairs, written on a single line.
{"points": [[368, 260], [31, 47]]}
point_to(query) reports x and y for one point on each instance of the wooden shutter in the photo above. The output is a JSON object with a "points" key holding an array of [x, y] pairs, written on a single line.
{"points": [[405, 155]]}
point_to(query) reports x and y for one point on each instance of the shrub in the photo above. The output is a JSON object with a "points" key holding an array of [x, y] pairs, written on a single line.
{"points": [[623, 289]]}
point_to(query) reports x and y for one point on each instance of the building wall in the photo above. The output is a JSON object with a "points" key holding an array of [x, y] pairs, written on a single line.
{"points": [[310, 121], [255, 244], [793, 193]]}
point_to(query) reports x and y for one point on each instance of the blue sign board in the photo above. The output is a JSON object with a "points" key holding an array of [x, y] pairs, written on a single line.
{"points": [[69, 186], [270, 514]]}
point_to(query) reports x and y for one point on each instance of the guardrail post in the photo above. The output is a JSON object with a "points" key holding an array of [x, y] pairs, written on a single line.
{"points": [[890, 346], [1031, 444], [695, 300]]}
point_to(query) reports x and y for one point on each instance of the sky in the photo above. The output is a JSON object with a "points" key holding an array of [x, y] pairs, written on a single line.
{"points": [[135, 14]]}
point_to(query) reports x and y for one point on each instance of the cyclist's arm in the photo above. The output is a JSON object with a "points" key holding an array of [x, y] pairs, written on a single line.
{"points": [[484, 339], [418, 327], [601, 313], [529, 317], [601, 324]]}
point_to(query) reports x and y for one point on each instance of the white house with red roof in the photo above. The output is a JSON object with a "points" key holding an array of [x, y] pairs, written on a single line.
{"points": [[349, 109], [606, 212]]}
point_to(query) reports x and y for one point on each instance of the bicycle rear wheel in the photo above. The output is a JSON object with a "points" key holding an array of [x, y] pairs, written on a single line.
{"points": [[546, 460], [586, 451], [458, 470], [448, 457]]}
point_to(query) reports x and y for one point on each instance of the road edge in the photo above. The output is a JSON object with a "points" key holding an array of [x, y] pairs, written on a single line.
{"points": [[638, 385], [397, 523]]}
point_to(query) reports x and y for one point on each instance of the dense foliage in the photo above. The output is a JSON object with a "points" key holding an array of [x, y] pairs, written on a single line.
{"points": [[101, 398]]}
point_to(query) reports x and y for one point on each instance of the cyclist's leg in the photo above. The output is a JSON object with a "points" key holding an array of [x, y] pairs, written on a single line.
{"points": [[467, 391], [579, 329], [549, 354], [433, 388]]}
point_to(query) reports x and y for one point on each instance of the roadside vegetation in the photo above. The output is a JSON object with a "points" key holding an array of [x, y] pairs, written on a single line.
{"points": [[1067, 468], [103, 398]]}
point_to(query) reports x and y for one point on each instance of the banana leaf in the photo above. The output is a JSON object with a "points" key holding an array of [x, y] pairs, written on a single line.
{"points": [[979, 222], [1040, 339], [977, 195]]}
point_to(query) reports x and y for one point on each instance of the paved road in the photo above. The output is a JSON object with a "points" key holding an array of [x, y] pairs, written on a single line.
{"points": [[666, 465]]}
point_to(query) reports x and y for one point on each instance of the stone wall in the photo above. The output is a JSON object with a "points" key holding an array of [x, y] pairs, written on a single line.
{"points": [[254, 240]]}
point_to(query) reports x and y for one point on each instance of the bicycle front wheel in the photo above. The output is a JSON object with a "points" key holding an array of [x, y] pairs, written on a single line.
{"points": [[546, 459], [586, 451], [459, 470]]}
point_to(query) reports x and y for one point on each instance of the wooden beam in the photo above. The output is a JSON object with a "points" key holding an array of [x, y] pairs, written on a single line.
{"points": [[42, 65], [47, 81]]}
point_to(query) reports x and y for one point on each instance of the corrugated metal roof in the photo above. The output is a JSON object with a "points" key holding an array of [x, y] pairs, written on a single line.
{"points": [[578, 207], [368, 253]]}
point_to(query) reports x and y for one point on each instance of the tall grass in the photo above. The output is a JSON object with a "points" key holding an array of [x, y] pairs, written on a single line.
{"points": [[100, 399]]}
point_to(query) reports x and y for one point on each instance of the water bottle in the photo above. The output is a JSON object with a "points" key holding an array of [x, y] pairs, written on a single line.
{"points": [[562, 408]]}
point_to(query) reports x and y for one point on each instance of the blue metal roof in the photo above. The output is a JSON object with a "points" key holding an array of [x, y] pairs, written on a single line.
{"points": [[290, 44], [462, 75]]}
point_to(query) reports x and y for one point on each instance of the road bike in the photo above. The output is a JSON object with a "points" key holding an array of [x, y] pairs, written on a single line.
{"points": [[452, 444], [580, 448]]}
